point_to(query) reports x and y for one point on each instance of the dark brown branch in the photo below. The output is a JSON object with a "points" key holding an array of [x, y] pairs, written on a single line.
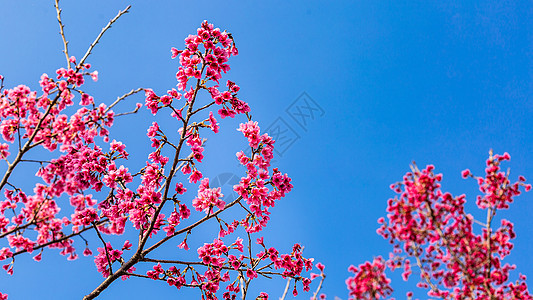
{"points": [[203, 107], [139, 255], [105, 248], [15, 229]]}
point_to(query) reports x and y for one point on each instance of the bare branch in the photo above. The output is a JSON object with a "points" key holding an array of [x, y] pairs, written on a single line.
{"points": [[315, 294], [122, 98], [286, 289], [128, 113], [61, 27], [120, 13], [243, 289]]}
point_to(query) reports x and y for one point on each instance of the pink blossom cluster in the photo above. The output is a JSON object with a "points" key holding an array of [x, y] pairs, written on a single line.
{"points": [[40, 118], [369, 280], [208, 198], [254, 187]]}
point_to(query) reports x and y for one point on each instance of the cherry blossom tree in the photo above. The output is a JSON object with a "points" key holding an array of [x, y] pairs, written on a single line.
{"points": [[88, 172], [456, 256]]}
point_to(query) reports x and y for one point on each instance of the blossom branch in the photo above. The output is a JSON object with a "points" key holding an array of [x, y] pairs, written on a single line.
{"points": [[173, 169], [192, 226]]}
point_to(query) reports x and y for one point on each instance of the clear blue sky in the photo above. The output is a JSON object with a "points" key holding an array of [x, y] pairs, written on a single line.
{"points": [[395, 81]]}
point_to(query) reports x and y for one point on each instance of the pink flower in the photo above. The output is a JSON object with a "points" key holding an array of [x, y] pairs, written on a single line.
{"points": [[175, 52], [251, 131], [4, 153], [320, 267], [195, 176], [38, 257], [369, 281], [251, 274], [208, 198], [127, 245], [86, 99], [214, 125], [180, 189], [238, 245], [186, 169], [183, 245]]}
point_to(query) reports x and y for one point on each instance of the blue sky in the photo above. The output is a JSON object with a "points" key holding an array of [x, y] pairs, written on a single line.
{"points": [[392, 81]]}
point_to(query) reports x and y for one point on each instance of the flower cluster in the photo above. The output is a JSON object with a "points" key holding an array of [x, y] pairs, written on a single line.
{"points": [[253, 188], [369, 281], [219, 262], [208, 198]]}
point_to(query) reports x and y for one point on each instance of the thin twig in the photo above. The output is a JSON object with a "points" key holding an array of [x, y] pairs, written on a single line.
{"points": [[120, 13], [203, 107], [105, 248], [16, 229], [179, 262], [137, 275], [315, 294], [286, 289], [146, 276], [128, 113], [35, 161], [61, 31], [490, 215], [250, 250], [122, 98], [424, 273]]}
